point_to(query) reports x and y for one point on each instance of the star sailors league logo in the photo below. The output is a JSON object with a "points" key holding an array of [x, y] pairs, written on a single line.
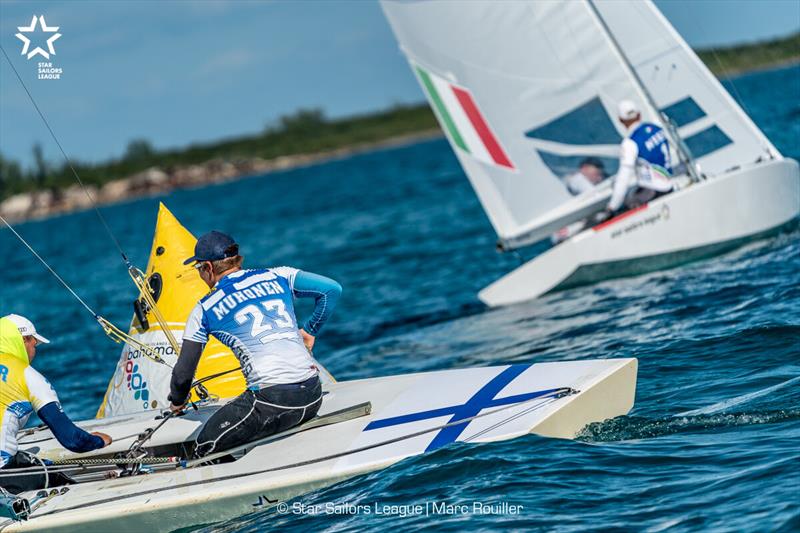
{"points": [[30, 38]]}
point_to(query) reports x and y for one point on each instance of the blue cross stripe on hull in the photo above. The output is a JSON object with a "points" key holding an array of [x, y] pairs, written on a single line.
{"points": [[483, 399]]}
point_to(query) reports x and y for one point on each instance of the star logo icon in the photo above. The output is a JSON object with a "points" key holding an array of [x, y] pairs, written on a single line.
{"points": [[26, 42]]}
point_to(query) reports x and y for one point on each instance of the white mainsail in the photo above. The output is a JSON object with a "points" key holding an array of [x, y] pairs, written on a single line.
{"points": [[525, 90]]}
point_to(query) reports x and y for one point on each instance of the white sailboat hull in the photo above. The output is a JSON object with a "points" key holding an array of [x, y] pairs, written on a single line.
{"points": [[702, 220], [400, 425]]}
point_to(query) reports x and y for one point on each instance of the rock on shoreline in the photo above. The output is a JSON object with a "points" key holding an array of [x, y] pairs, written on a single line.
{"points": [[155, 180]]}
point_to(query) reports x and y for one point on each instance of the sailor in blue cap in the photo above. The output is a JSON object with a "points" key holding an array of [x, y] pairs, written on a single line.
{"points": [[252, 312]]}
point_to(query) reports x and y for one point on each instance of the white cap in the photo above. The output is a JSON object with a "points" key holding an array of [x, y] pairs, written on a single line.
{"points": [[627, 110], [26, 327]]}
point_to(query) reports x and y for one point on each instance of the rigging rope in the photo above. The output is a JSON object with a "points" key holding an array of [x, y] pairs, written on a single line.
{"points": [[137, 275], [137, 448], [140, 281], [69, 163], [113, 332], [48, 267], [119, 460], [722, 69]]}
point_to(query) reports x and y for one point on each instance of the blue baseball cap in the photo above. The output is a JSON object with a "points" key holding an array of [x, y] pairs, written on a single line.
{"points": [[213, 246]]}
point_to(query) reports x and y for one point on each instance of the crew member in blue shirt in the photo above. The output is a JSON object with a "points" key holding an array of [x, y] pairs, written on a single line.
{"points": [[252, 312], [645, 168]]}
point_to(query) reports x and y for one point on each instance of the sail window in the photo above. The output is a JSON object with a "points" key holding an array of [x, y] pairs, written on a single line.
{"points": [[684, 111], [709, 140], [588, 123], [564, 165]]}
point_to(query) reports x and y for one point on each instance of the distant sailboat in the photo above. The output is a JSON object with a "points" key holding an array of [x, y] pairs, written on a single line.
{"points": [[525, 90]]}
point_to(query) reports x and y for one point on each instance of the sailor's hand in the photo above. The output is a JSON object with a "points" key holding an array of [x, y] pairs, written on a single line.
{"points": [[308, 339], [177, 408], [602, 216], [106, 438]]}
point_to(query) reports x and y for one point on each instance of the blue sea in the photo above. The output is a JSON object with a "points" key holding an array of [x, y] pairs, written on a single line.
{"points": [[713, 441]]}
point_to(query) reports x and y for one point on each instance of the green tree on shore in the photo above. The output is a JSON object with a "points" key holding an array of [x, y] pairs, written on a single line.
{"points": [[139, 150], [301, 122], [41, 167], [11, 175]]}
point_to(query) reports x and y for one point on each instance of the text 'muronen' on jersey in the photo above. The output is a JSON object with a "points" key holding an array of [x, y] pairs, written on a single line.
{"points": [[252, 313]]}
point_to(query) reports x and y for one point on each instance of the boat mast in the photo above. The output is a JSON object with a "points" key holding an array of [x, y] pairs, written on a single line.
{"points": [[669, 127]]}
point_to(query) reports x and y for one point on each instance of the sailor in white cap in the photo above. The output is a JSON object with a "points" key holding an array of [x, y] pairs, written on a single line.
{"points": [[30, 337], [645, 168], [23, 390]]}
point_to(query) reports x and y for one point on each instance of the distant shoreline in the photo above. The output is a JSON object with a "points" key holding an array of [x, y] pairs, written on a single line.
{"points": [[751, 57], [781, 63], [154, 181], [302, 139]]}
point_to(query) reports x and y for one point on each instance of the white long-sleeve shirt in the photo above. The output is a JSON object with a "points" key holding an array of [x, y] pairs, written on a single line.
{"points": [[626, 175], [577, 183]]}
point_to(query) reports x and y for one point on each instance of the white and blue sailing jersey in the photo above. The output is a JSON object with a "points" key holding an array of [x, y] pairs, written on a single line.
{"points": [[652, 146], [252, 313]]}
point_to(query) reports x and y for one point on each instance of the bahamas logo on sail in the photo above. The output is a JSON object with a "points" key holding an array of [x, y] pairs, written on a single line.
{"points": [[31, 41], [460, 116]]}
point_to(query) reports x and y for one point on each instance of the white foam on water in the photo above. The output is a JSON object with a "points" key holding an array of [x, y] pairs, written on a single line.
{"points": [[738, 400]]}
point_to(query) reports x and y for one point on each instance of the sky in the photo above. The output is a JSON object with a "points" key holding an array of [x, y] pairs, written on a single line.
{"points": [[182, 72]]}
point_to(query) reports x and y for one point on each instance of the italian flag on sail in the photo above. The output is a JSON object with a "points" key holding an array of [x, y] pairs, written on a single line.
{"points": [[460, 116]]}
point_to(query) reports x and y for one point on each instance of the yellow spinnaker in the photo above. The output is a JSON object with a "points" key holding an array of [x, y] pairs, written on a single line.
{"points": [[140, 383]]}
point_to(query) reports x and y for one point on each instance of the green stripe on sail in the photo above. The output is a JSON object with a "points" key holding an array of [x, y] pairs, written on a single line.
{"points": [[440, 107]]}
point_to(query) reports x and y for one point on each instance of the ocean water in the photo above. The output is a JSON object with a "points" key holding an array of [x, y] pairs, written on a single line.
{"points": [[713, 441]]}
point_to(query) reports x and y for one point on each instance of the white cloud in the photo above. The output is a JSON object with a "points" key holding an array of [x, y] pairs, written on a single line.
{"points": [[228, 60]]}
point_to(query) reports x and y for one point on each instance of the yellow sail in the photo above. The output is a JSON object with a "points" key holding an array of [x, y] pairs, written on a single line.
{"points": [[139, 382]]}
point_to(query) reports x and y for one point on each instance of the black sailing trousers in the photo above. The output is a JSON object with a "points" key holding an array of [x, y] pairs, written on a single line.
{"points": [[254, 415]]}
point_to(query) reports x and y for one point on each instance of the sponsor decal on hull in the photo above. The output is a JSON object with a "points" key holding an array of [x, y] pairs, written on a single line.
{"points": [[662, 214], [649, 220]]}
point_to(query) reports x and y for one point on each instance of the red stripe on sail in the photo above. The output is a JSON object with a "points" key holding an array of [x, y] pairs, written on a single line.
{"points": [[480, 125]]}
